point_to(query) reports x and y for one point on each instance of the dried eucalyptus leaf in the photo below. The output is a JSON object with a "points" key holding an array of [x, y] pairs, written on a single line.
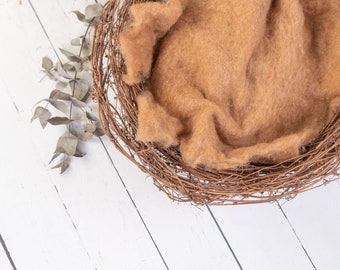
{"points": [[67, 144], [81, 130], [63, 73], [57, 94], [59, 121], [86, 40], [90, 128], [43, 114], [80, 16], [71, 56], [85, 53], [93, 11], [78, 67], [76, 128], [79, 154], [64, 165], [91, 117], [50, 75], [86, 49], [77, 41], [69, 67], [86, 136], [38, 112], [85, 77], [86, 43], [54, 157], [61, 85], [87, 67], [61, 106], [79, 103], [47, 63], [86, 97], [99, 132], [81, 89]]}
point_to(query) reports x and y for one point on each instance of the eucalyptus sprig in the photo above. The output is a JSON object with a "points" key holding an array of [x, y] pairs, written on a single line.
{"points": [[71, 96]]}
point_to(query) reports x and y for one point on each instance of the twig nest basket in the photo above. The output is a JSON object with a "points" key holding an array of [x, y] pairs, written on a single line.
{"points": [[251, 184]]}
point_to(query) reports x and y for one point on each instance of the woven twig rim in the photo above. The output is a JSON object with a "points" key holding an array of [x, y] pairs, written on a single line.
{"points": [[251, 184]]}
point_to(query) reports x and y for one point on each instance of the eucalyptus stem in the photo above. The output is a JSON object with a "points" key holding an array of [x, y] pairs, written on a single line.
{"points": [[79, 127], [79, 55]]}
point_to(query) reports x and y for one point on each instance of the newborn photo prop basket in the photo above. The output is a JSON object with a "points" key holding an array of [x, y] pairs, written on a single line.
{"points": [[319, 163]]}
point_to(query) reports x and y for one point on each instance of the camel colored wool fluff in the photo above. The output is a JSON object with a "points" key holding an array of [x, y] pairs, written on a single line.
{"points": [[233, 82]]}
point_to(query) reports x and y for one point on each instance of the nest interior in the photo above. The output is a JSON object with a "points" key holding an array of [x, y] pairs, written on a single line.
{"points": [[250, 184]]}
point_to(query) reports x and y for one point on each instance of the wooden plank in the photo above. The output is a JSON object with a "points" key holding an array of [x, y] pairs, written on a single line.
{"points": [[105, 218], [37, 230], [261, 237], [186, 236], [315, 216], [56, 217]]}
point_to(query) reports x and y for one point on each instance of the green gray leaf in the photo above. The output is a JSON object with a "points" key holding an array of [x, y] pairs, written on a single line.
{"points": [[87, 67], [59, 121], [99, 132], [69, 67], [47, 63], [91, 116], [82, 130], [43, 114], [54, 157], [79, 153], [81, 89], [79, 103], [86, 78], [78, 67], [61, 85], [61, 72], [67, 144], [60, 105], [80, 16], [71, 56], [57, 94], [63, 165], [93, 11], [51, 75], [77, 41]]}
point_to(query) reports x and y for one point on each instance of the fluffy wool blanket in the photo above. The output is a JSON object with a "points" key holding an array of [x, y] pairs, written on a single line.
{"points": [[234, 81]]}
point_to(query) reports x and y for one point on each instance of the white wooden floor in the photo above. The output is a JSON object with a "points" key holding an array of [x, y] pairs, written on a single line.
{"points": [[93, 218]]}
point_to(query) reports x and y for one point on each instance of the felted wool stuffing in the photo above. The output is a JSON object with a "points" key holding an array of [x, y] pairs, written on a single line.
{"points": [[233, 82]]}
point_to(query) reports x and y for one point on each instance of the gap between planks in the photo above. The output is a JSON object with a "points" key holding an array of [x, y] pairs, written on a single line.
{"points": [[8, 254]]}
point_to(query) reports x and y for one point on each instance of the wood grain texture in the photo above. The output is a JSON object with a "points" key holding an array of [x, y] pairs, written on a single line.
{"points": [[315, 216], [186, 234], [259, 232], [93, 218], [97, 220], [37, 230]]}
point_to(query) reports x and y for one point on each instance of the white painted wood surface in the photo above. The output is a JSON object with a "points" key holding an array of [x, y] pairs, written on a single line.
{"points": [[93, 218]]}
